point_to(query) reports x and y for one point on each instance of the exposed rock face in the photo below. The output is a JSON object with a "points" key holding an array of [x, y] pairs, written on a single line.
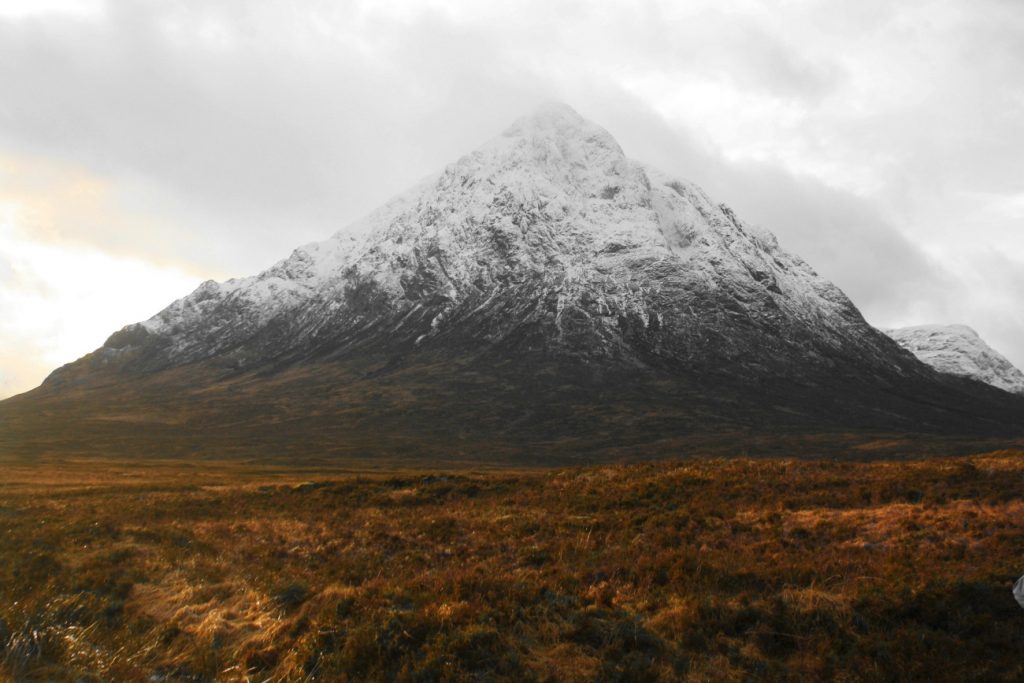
{"points": [[543, 294], [958, 350]]}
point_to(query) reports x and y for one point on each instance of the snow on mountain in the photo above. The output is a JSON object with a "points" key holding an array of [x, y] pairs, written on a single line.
{"points": [[548, 227], [542, 295], [958, 350]]}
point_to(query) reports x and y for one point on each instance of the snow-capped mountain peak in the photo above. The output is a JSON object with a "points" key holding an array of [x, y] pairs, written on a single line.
{"points": [[959, 350], [551, 208]]}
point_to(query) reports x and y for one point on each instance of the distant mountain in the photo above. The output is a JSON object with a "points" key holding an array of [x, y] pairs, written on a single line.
{"points": [[543, 297], [958, 350]]}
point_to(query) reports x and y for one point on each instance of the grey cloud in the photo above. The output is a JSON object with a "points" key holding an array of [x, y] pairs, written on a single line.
{"points": [[272, 145], [726, 45], [756, 59], [1000, 320], [241, 134]]}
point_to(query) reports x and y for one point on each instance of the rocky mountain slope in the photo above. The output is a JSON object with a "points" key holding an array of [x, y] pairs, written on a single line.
{"points": [[542, 294], [958, 350], [549, 236]]}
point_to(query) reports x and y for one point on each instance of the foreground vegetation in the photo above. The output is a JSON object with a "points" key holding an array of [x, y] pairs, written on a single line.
{"points": [[725, 570]]}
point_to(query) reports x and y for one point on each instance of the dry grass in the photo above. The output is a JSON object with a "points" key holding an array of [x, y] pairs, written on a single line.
{"points": [[724, 570]]}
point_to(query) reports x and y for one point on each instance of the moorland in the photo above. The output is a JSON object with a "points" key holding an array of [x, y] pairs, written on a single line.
{"points": [[695, 569]]}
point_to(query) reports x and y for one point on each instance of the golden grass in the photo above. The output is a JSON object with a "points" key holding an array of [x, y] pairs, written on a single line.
{"points": [[701, 570]]}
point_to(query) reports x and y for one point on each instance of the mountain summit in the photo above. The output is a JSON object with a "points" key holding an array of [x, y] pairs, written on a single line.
{"points": [[546, 238], [543, 295]]}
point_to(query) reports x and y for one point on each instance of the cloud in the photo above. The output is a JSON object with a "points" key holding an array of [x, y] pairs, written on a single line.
{"points": [[275, 143], [991, 296], [58, 302], [53, 202], [720, 44]]}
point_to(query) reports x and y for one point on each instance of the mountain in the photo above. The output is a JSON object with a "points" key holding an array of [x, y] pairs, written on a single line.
{"points": [[547, 237], [958, 350], [543, 298]]}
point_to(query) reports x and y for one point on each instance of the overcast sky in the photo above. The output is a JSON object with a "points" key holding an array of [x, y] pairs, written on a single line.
{"points": [[146, 146]]}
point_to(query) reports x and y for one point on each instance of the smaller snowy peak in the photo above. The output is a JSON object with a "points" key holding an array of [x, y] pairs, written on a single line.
{"points": [[959, 350]]}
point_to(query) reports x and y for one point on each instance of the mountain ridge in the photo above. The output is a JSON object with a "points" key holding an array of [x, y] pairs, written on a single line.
{"points": [[543, 293], [588, 214]]}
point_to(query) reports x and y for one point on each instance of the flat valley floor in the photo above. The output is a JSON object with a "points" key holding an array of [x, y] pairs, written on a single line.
{"points": [[701, 570]]}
